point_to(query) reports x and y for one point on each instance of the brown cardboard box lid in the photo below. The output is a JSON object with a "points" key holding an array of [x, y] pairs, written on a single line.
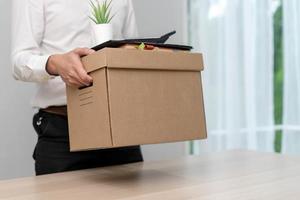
{"points": [[139, 59]]}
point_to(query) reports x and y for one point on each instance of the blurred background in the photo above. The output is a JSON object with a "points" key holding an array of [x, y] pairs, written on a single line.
{"points": [[251, 80]]}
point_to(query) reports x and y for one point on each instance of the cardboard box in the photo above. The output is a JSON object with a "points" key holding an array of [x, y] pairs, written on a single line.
{"points": [[137, 97]]}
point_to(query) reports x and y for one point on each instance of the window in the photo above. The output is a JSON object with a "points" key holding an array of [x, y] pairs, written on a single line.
{"points": [[278, 72], [239, 21]]}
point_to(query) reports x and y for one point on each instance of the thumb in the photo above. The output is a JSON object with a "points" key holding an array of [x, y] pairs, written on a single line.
{"points": [[83, 51]]}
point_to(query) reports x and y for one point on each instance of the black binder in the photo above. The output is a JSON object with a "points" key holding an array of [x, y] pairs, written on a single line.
{"points": [[158, 42]]}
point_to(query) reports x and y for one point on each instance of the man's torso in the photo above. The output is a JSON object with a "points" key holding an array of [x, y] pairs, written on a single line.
{"points": [[67, 26]]}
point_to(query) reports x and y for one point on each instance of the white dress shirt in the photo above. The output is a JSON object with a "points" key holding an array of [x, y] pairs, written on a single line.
{"points": [[45, 27]]}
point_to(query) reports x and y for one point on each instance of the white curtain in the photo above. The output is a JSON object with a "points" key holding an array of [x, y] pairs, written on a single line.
{"points": [[236, 38], [291, 117]]}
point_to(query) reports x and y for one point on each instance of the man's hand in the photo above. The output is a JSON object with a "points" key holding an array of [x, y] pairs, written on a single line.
{"points": [[70, 68]]}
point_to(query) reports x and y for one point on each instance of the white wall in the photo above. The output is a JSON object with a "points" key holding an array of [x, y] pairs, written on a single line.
{"points": [[157, 17], [16, 132]]}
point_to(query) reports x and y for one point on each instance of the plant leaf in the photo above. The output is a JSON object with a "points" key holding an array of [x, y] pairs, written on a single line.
{"points": [[101, 12], [141, 46], [93, 20], [109, 20]]}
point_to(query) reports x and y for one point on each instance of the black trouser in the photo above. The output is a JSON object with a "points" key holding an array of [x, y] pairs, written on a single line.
{"points": [[52, 152]]}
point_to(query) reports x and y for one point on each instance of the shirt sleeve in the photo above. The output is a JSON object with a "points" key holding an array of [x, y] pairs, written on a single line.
{"points": [[130, 27], [28, 61]]}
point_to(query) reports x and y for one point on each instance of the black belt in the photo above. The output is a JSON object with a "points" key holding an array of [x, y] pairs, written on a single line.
{"points": [[58, 110]]}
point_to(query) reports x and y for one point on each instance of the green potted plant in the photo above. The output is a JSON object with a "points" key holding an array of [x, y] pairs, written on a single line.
{"points": [[101, 17]]}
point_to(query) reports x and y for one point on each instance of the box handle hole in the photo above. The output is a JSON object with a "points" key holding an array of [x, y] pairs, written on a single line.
{"points": [[85, 87]]}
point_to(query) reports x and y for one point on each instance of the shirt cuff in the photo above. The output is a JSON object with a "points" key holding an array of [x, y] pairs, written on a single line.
{"points": [[38, 65]]}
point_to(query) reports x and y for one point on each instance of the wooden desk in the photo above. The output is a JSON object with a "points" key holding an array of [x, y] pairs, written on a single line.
{"points": [[225, 176]]}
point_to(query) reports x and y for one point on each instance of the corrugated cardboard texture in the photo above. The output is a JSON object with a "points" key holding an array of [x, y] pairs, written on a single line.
{"points": [[152, 106], [138, 97], [137, 59], [88, 115]]}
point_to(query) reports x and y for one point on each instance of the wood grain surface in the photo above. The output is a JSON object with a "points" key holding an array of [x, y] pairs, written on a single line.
{"points": [[226, 176]]}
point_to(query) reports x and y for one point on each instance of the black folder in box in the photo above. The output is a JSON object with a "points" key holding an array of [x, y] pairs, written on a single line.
{"points": [[158, 42]]}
